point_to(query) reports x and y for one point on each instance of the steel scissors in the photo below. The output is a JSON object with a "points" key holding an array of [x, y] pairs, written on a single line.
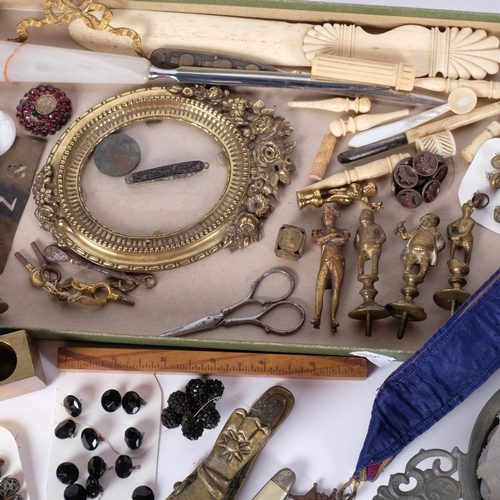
{"points": [[221, 319]]}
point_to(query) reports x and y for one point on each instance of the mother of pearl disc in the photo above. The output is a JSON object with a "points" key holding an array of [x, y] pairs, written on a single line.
{"points": [[7, 132]]}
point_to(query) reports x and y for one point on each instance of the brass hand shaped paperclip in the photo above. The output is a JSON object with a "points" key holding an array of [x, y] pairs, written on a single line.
{"points": [[221, 319]]}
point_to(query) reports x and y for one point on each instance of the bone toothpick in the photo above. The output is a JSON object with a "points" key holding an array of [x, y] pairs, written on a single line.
{"points": [[336, 104]]}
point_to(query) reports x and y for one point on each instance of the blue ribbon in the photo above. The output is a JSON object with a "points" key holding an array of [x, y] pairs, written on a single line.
{"points": [[453, 363]]}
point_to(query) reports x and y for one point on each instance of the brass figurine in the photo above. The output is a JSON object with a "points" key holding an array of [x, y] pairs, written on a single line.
{"points": [[222, 473], [331, 271], [460, 235], [343, 196], [422, 248], [368, 241]]}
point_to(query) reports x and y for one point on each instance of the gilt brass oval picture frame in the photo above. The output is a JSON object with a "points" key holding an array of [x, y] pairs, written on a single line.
{"points": [[252, 138]]}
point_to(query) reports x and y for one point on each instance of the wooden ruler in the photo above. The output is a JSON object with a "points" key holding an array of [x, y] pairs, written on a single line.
{"points": [[212, 362]]}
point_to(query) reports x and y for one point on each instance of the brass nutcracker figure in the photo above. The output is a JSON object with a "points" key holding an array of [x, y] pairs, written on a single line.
{"points": [[368, 241], [460, 235], [331, 271], [422, 248]]}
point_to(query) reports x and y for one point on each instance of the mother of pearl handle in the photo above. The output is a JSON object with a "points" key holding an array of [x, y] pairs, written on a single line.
{"points": [[37, 63], [460, 101]]}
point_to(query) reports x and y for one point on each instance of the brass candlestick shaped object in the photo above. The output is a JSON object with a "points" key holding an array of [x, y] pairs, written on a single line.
{"points": [[460, 235], [422, 248], [332, 266], [368, 240]]}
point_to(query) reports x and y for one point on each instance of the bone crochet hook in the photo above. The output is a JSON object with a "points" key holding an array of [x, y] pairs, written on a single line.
{"points": [[460, 101], [35, 63]]}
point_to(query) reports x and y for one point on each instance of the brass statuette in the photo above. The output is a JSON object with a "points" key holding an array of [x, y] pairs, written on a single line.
{"points": [[460, 235], [70, 12], [332, 266], [368, 241], [252, 138], [342, 196], [422, 248]]}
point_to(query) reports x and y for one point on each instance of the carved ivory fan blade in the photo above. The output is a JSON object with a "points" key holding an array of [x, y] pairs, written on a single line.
{"points": [[450, 52]]}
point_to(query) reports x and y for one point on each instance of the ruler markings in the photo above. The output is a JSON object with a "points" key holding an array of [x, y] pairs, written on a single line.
{"points": [[212, 362]]}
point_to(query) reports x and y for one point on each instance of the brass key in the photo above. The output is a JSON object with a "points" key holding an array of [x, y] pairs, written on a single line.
{"points": [[35, 276], [96, 289]]}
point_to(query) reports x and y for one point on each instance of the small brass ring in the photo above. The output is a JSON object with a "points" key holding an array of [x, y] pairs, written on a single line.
{"points": [[124, 285], [51, 273], [149, 281], [495, 161]]}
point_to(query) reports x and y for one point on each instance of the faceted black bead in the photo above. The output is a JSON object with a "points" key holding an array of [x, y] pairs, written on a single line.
{"points": [[132, 402], [111, 400], [195, 389], [75, 491], [143, 493], [133, 438], [90, 439], [65, 429], [170, 419], [123, 466], [93, 487], [67, 473], [96, 467], [73, 406]]}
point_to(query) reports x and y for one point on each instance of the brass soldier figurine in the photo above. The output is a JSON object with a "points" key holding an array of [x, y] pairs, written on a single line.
{"points": [[368, 241], [331, 270], [460, 235], [422, 248]]}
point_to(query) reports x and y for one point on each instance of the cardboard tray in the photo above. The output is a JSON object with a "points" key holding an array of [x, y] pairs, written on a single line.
{"points": [[186, 293]]}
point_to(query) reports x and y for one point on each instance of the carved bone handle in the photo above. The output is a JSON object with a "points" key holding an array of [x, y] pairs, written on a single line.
{"points": [[451, 52], [369, 171]]}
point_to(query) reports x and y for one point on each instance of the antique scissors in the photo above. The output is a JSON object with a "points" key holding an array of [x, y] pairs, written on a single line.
{"points": [[221, 319]]}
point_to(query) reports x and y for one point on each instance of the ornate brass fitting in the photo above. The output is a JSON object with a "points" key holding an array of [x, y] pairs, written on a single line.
{"points": [[69, 13], [254, 140]]}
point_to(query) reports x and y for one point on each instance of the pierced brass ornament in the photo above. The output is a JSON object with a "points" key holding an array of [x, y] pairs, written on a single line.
{"points": [[259, 158], [70, 12]]}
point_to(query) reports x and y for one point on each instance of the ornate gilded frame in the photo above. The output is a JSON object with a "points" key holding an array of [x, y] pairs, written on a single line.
{"points": [[253, 139]]}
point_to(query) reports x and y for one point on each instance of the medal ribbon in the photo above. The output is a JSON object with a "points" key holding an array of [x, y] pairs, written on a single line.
{"points": [[454, 362]]}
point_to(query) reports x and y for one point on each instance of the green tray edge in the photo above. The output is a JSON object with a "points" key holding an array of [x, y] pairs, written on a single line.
{"points": [[379, 10], [209, 344]]}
